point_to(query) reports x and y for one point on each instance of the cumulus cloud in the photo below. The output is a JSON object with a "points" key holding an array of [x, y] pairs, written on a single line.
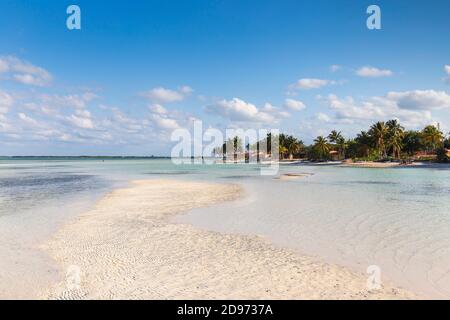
{"points": [[66, 118], [276, 112], [81, 119], [379, 108], [164, 95], [310, 83], [163, 119], [295, 105], [157, 108], [372, 72], [239, 110], [25, 72], [323, 117], [347, 108], [420, 99], [165, 123]]}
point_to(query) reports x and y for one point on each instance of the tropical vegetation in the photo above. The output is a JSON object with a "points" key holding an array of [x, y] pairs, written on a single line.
{"points": [[383, 141]]}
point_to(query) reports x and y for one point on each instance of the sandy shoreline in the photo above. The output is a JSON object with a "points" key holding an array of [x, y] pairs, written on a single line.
{"points": [[372, 164], [126, 248]]}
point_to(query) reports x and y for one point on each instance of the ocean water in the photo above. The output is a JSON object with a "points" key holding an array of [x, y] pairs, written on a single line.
{"points": [[397, 219]]}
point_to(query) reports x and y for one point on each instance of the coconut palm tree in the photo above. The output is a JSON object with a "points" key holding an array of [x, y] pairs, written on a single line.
{"points": [[395, 142], [237, 147], [447, 141], [394, 125], [364, 142], [432, 137], [334, 136], [321, 147], [342, 145], [379, 132], [337, 138], [282, 145], [268, 144], [283, 151], [293, 146], [395, 139]]}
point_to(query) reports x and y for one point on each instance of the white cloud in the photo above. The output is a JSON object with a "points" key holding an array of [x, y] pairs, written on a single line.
{"points": [[309, 83], [29, 79], [6, 101], [239, 110], [347, 108], [28, 120], [164, 95], [157, 108], [273, 111], [81, 119], [122, 125], [447, 69], [25, 72], [420, 99], [295, 105], [165, 123], [186, 90], [323, 117], [5, 126], [268, 107], [373, 72], [65, 118], [77, 101], [349, 111]]}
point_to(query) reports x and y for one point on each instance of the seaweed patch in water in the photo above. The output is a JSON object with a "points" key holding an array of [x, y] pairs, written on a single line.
{"points": [[30, 181]]}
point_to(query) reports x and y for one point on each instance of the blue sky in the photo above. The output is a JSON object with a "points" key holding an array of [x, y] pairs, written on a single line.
{"points": [[137, 70]]}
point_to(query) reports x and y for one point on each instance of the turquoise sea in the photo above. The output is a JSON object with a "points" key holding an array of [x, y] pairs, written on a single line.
{"points": [[397, 218]]}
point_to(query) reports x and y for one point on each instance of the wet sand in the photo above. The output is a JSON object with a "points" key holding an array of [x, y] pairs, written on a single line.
{"points": [[126, 248]]}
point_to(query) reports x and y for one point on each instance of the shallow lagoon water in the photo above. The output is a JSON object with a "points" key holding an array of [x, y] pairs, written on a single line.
{"points": [[398, 219]]}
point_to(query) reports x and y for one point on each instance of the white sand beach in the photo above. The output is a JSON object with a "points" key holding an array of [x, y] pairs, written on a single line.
{"points": [[127, 248]]}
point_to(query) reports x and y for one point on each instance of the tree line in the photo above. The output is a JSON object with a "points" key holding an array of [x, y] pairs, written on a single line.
{"points": [[382, 141]]}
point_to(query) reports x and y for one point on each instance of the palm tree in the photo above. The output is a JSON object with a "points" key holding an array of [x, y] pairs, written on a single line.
{"points": [[269, 144], [293, 146], [395, 142], [432, 137], [342, 145], [337, 138], [282, 150], [378, 132], [396, 133], [394, 124], [233, 146], [282, 145], [237, 147], [334, 136], [364, 142], [321, 147], [447, 141]]}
